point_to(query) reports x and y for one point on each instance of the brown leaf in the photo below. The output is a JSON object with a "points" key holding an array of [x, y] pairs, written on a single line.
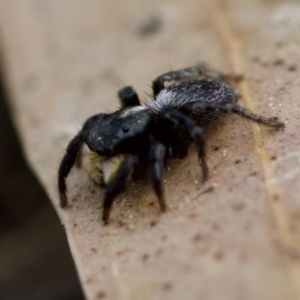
{"points": [[234, 237]]}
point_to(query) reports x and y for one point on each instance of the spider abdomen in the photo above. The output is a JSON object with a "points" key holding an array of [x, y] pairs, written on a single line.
{"points": [[183, 93]]}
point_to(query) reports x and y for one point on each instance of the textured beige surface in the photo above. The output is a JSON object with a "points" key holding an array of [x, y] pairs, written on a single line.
{"points": [[65, 60]]}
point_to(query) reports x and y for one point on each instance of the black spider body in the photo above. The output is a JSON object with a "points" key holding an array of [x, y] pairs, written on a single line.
{"points": [[182, 95], [124, 131], [135, 138]]}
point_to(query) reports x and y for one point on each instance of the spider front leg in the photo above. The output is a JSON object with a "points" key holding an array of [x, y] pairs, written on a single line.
{"points": [[128, 97], [66, 165], [118, 185], [195, 132], [189, 73], [156, 161], [78, 162], [232, 108]]}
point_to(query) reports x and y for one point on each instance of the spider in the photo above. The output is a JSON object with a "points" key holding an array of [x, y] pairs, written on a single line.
{"points": [[136, 139]]}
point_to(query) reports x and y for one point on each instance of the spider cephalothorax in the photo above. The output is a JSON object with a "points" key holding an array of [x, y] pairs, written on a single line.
{"points": [[135, 138]]}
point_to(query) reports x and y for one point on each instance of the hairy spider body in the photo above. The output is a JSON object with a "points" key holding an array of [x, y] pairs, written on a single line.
{"points": [[136, 138]]}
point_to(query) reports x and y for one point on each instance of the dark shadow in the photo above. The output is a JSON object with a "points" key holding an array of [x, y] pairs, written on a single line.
{"points": [[35, 261]]}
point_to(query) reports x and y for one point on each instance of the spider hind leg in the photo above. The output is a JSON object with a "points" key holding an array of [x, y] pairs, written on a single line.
{"points": [[158, 84], [195, 132], [233, 108]]}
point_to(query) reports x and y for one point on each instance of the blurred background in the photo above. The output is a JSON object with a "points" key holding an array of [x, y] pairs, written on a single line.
{"points": [[35, 260]]}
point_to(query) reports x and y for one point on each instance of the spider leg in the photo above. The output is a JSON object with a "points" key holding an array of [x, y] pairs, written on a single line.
{"points": [[66, 165], [118, 184], [189, 73], [156, 162], [196, 134], [128, 97], [232, 108], [218, 76], [78, 162]]}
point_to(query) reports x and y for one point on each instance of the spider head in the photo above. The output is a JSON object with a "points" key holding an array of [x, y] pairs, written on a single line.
{"points": [[120, 132]]}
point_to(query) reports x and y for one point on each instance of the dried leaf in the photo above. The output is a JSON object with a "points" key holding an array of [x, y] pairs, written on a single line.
{"points": [[234, 237]]}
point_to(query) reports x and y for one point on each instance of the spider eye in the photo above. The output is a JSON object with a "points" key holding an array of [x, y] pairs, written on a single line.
{"points": [[125, 128]]}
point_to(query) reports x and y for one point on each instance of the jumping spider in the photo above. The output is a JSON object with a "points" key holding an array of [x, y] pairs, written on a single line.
{"points": [[135, 138]]}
